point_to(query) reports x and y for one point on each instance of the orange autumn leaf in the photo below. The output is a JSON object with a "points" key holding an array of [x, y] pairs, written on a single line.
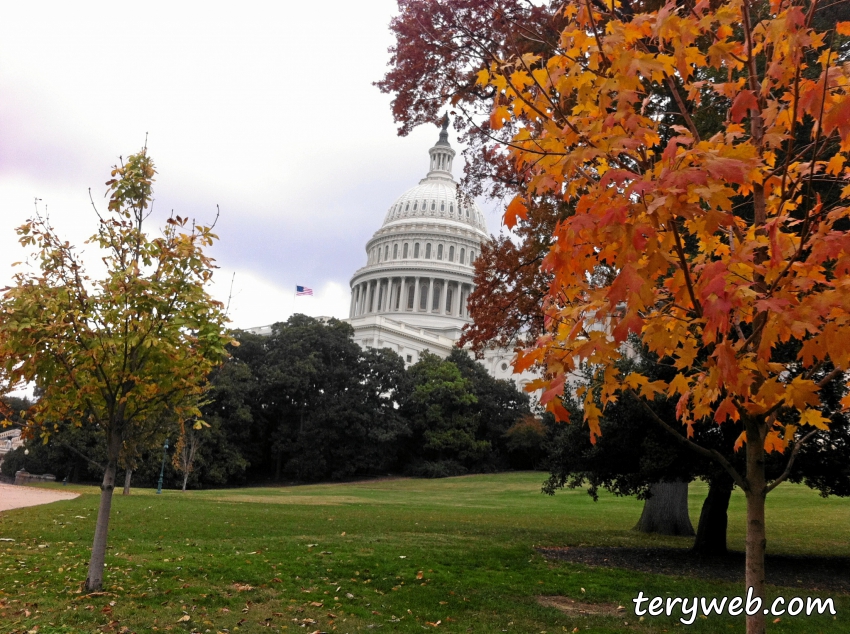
{"points": [[516, 209]]}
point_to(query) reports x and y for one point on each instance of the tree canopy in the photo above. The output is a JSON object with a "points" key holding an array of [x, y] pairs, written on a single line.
{"points": [[722, 248], [126, 354]]}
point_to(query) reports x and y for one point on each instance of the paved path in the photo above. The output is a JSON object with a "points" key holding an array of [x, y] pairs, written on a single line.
{"points": [[16, 497]]}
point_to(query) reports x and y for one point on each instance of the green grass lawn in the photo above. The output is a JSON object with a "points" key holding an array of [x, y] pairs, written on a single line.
{"points": [[453, 555]]}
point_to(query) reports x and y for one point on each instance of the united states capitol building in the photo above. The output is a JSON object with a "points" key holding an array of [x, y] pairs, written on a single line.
{"points": [[412, 293]]}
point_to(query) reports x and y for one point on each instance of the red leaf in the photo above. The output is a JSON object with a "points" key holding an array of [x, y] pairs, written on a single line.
{"points": [[744, 102], [726, 410]]}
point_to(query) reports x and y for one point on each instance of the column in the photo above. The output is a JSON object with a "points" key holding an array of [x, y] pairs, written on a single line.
{"points": [[443, 291], [429, 303], [385, 301], [402, 295], [405, 291], [351, 305], [359, 300], [416, 291]]}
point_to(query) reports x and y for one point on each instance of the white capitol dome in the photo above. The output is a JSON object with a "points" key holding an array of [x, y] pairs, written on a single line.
{"points": [[411, 295], [418, 272]]}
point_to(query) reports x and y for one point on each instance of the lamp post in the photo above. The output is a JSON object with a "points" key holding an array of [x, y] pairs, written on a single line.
{"points": [[162, 469]]}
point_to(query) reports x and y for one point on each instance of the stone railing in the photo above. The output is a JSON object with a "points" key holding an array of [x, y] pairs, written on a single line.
{"points": [[24, 477]]}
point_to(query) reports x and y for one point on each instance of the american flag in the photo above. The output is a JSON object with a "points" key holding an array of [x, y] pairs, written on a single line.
{"points": [[303, 290]]}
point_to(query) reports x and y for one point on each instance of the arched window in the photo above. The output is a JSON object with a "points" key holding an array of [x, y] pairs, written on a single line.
{"points": [[451, 254], [428, 251], [435, 302], [415, 204], [439, 251], [423, 297], [386, 252], [442, 206], [433, 205], [467, 212], [471, 257], [451, 208], [407, 206], [404, 251], [416, 250], [395, 251], [462, 258], [449, 301], [410, 290]]}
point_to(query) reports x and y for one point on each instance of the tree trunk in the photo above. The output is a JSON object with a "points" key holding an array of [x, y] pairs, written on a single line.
{"points": [[666, 510], [128, 475], [756, 534], [185, 478], [94, 582], [713, 520]]}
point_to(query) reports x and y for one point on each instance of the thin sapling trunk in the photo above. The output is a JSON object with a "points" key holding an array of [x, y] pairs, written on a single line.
{"points": [[94, 582]]}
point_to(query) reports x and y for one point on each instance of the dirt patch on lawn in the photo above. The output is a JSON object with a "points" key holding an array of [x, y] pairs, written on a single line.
{"points": [[577, 608], [811, 573]]}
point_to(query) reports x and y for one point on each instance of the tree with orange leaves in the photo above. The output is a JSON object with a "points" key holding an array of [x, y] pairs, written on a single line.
{"points": [[725, 250]]}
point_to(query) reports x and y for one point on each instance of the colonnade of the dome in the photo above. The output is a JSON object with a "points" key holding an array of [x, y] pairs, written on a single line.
{"points": [[421, 294]]}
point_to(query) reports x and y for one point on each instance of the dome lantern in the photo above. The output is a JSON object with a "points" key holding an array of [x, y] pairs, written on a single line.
{"points": [[442, 154]]}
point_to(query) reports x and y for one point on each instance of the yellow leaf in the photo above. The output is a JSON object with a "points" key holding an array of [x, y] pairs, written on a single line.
{"points": [[836, 163], [802, 392], [649, 390], [843, 28], [814, 418], [679, 384], [636, 381]]}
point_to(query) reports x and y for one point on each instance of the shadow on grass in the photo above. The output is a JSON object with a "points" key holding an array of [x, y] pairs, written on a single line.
{"points": [[807, 572]]}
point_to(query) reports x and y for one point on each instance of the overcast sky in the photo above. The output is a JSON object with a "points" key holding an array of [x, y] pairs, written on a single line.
{"points": [[267, 110]]}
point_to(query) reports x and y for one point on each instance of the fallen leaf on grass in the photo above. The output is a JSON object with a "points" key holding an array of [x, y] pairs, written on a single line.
{"points": [[433, 624], [184, 618], [242, 587], [316, 604]]}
